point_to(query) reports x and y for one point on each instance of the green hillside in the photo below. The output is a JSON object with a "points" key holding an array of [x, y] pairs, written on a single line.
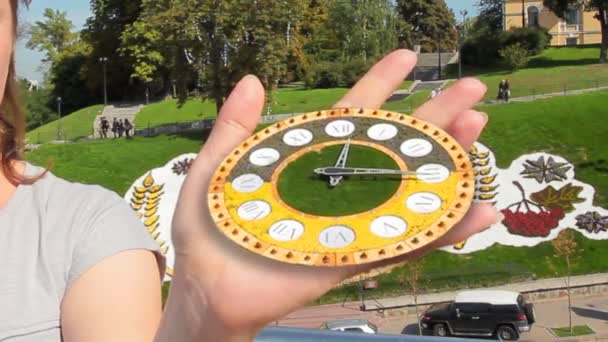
{"points": [[74, 126]]}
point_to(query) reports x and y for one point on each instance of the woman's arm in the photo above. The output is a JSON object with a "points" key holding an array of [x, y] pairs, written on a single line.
{"points": [[118, 299]]}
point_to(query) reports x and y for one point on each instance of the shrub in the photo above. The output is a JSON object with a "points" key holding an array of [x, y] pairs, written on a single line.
{"points": [[481, 50], [353, 70], [327, 75], [533, 39], [336, 74], [515, 55], [484, 49]]}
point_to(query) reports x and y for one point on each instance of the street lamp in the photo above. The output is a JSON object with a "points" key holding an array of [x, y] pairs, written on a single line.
{"points": [[59, 131], [104, 61], [147, 94], [439, 54], [461, 35]]}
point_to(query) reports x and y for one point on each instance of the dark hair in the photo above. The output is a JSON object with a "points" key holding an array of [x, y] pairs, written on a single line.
{"points": [[12, 116]]}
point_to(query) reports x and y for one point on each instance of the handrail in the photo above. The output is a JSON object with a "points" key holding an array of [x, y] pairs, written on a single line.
{"points": [[287, 334]]}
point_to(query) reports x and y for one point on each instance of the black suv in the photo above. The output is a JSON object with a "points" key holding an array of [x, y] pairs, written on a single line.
{"points": [[502, 314]]}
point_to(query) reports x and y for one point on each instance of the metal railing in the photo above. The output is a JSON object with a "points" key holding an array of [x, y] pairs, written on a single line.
{"points": [[281, 334]]}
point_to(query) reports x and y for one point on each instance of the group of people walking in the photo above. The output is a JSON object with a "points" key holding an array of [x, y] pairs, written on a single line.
{"points": [[119, 128]]}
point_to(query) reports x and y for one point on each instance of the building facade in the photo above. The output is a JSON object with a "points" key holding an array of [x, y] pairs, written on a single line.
{"points": [[578, 28]]}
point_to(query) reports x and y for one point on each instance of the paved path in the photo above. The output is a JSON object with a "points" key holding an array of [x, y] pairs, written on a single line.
{"points": [[548, 95]]}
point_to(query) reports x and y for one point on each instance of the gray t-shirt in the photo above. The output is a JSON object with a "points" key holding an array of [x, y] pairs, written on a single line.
{"points": [[52, 232]]}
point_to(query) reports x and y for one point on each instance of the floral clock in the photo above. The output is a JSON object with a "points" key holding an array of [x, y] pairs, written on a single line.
{"points": [[342, 187]]}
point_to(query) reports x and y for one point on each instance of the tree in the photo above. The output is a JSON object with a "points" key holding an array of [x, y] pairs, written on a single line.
{"points": [[102, 32], [65, 58], [36, 100], [566, 249], [363, 28], [411, 280], [490, 18], [217, 41], [560, 7], [430, 24], [52, 35]]}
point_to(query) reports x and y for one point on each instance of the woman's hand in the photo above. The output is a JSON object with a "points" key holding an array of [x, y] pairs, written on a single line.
{"points": [[222, 292]]}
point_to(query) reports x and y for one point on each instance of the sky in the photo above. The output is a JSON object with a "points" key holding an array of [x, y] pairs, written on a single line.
{"points": [[28, 61]]}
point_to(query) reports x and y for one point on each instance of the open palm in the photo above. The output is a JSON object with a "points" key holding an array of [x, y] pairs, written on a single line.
{"points": [[231, 292]]}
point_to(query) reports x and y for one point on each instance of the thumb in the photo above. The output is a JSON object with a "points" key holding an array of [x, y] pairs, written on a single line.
{"points": [[236, 121]]}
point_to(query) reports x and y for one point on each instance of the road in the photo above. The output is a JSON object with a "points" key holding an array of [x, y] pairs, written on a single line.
{"points": [[592, 311]]}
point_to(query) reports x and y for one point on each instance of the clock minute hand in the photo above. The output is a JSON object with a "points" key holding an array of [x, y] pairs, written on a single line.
{"points": [[347, 171], [335, 180]]}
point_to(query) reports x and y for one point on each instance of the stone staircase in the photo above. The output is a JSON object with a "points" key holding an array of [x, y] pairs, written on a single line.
{"points": [[118, 111], [427, 68]]}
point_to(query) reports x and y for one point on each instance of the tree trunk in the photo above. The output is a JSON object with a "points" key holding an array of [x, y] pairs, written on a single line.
{"points": [[568, 290], [603, 18], [417, 314]]}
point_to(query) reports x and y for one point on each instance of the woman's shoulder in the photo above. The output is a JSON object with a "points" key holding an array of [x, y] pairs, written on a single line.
{"points": [[57, 193]]}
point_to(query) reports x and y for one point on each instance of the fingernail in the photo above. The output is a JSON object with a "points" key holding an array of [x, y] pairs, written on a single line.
{"points": [[485, 116], [500, 217], [245, 89]]}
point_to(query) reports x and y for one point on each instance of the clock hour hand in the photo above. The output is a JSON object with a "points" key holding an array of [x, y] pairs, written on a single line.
{"points": [[335, 180], [347, 171]]}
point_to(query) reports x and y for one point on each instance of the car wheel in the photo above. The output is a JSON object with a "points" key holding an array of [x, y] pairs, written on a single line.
{"points": [[440, 330], [506, 333], [530, 313]]}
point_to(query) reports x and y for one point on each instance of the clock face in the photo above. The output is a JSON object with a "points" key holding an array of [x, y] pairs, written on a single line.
{"points": [[342, 187]]}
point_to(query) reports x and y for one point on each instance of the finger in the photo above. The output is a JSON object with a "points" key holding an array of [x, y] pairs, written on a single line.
{"points": [[446, 107], [380, 81], [479, 218], [467, 127], [236, 121]]}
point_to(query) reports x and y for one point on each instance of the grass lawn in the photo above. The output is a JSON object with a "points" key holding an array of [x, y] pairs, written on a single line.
{"points": [[556, 70], [113, 164], [576, 331], [76, 125], [571, 126], [285, 101], [167, 112], [304, 100]]}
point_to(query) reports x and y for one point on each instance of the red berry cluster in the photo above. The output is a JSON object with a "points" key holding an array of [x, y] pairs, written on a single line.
{"points": [[532, 224]]}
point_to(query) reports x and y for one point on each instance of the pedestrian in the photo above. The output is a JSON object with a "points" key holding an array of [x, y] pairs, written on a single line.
{"points": [[115, 128], [433, 94], [105, 125], [504, 91], [78, 264], [128, 128], [121, 128], [507, 90]]}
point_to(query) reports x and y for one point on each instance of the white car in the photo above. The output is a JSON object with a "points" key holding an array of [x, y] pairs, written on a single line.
{"points": [[351, 325]]}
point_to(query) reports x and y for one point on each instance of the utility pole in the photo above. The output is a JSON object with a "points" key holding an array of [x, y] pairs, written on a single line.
{"points": [[59, 130], [439, 56], [461, 35], [104, 61], [523, 13]]}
